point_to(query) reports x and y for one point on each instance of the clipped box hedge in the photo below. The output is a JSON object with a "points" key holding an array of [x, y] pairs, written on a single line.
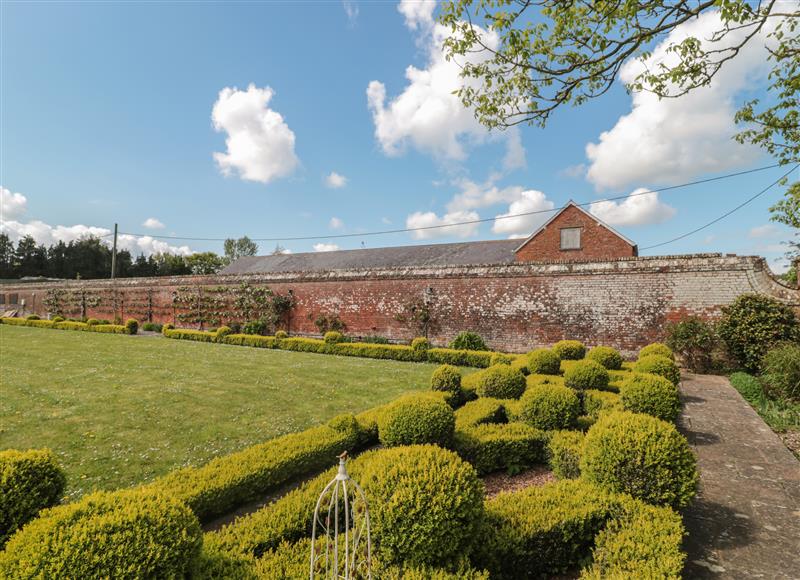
{"points": [[69, 325], [462, 358], [491, 447], [188, 334]]}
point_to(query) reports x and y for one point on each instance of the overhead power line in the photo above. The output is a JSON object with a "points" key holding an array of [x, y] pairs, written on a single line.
{"points": [[462, 223], [726, 214]]}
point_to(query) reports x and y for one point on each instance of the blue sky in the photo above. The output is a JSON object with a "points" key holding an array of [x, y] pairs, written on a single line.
{"points": [[107, 117]]}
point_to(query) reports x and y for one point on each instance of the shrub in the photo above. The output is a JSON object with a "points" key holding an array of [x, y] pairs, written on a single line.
{"points": [[694, 341], [606, 356], [29, 481], [466, 340], [564, 454], [749, 387], [569, 349], [509, 446], [380, 351], [596, 402], [131, 326], [254, 327], [653, 395], [420, 343], [500, 382], [189, 334], [166, 328], [58, 319], [92, 321], [461, 358], [447, 378], [521, 364], [501, 358], [333, 337], [544, 361], [32, 317], [657, 348], [222, 332], [483, 410], [281, 334], [753, 324], [425, 504], [549, 407], [642, 456], [416, 419], [127, 534], [586, 375], [659, 365], [782, 372], [152, 327]]}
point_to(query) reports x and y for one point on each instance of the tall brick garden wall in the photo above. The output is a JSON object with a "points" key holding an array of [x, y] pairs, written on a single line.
{"points": [[624, 303]]}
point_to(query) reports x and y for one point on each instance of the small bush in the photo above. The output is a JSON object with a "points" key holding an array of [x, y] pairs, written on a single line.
{"points": [[569, 349], [596, 402], [29, 482], [461, 358], [657, 348], [694, 341], [653, 395], [480, 411], [152, 327], [501, 382], [466, 340], [420, 343], [254, 327], [549, 407], [222, 332], [544, 361], [416, 419], [564, 453], [58, 319], [586, 375], [131, 326], [32, 317], [521, 364], [92, 321], [659, 365], [166, 328], [447, 378], [782, 372], [501, 358], [333, 337], [281, 334], [641, 456], [606, 356], [753, 324], [508, 446], [126, 534]]}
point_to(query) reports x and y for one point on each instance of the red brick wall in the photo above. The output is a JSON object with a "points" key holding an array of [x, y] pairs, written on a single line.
{"points": [[624, 303], [597, 241]]}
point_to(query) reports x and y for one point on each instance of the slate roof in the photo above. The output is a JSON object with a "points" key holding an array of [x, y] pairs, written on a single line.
{"points": [[460, 254]]}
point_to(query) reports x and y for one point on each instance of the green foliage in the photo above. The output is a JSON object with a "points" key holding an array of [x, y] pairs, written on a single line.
{"points": [[480, 411], [416, 419], [420, 343], [549, 407], [57, 319], [152, 327], [569, 349], [333, 337], [32, 317], [501, 358], [642, 456], [596, 402], [659, 365], [586, 374], [782, 372], [606, 356], [521, 364], [467, 340], [255, 327], [166, 328], [425, 504], [131, 326], [461, 358], [447, 378], [653, 395], [564, 453], [544, 361], [281, 334], [29, 482], [491, 447], [694, 340], [501, 382], [780, 415], [126, 534], [222, 332], [188, 334], [753, 324], [92, 321], [252, 340], [657, 348]]}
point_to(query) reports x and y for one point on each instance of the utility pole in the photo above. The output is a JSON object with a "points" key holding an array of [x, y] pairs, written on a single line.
{"points": [[114, 255]]}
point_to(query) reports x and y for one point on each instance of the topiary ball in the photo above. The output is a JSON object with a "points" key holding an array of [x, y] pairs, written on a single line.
{"points": [[416, 419], [57, 319], [425, 504], [586, 374], [125, 534], [549, 407], [446, 378], [500, 358], [501, 382], [569, 349], [659, 365], [131, 326], [420, 343], [281, 334], [466, 340], [222, 332], [641, 456], [657, 348], [564, 453], [92, 322], [606, 356], [544, 361], [333, 336], [651, 394], [167, 327]]}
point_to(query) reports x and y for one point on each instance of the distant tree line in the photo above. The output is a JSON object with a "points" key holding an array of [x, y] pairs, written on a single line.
{"points": [[89, 258]]}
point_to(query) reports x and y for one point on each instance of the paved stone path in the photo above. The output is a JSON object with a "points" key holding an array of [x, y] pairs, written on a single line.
{"points": [[745, 522]]}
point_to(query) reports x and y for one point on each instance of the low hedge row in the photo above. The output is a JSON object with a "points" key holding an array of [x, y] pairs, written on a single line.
{"points": [[491, 447], [69, 325], [480, 411], [564, 452]]}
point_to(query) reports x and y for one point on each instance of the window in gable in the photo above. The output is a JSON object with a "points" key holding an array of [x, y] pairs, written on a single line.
{"points": [[571, 238]]}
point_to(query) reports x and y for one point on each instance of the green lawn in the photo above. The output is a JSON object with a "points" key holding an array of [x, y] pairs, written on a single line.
{"points": [[120, 410]]}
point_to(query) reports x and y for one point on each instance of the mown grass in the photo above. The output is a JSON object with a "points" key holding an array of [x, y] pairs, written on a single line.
{"points": [[781, 416], [120, 410]]}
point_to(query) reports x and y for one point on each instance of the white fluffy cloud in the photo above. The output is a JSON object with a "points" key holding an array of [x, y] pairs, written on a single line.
{"points": [[325, 247], [635, 210], [152, 223], [427, 219], [765, 231], [335, 223], [673, 140], [12, 205], [522, 226], [418, 13], [260, 143], [335, 180]]}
